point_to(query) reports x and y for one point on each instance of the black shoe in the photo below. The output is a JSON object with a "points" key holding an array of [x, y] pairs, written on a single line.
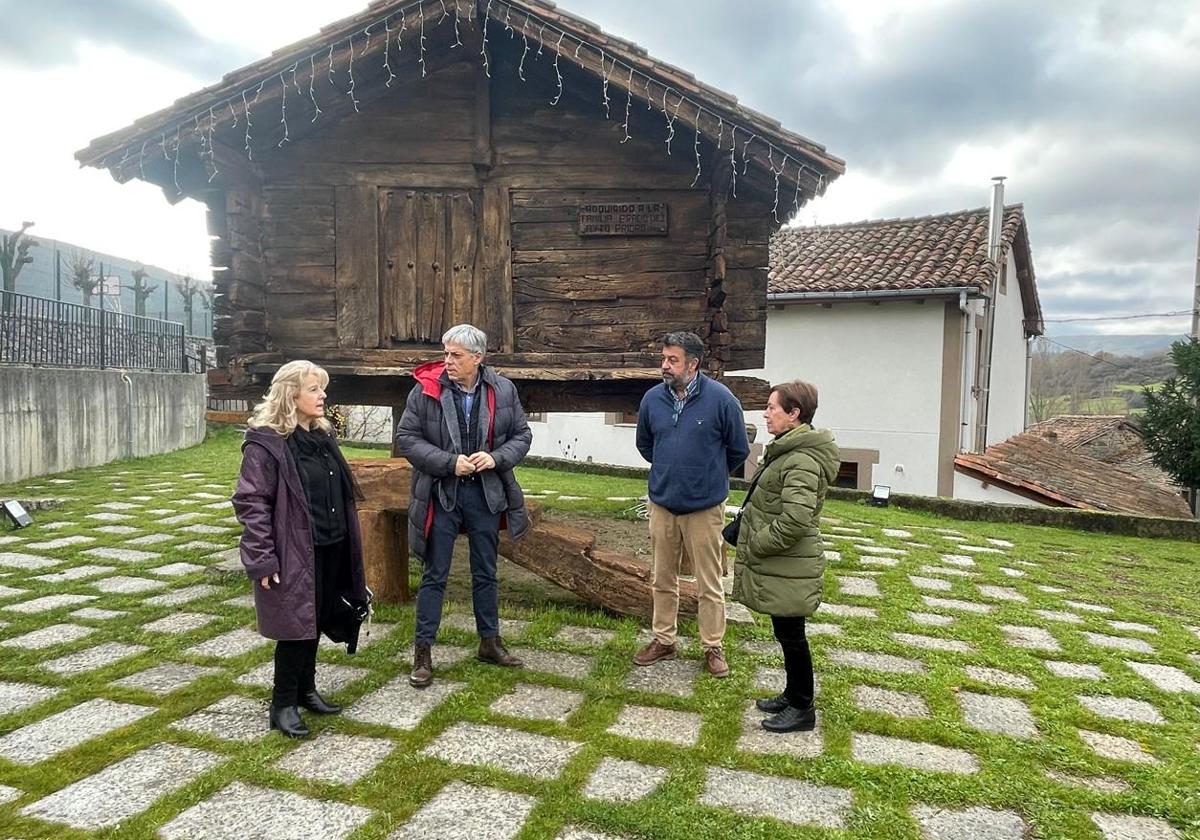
{"points": [[317, 704], [493, 652], [772, 705], [422, 670], [288, 721], [792, 719]]}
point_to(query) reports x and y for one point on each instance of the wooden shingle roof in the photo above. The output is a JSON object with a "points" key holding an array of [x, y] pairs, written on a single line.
{"points": [[1032, 466]]}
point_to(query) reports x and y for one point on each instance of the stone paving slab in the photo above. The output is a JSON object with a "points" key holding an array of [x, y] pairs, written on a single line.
{"points": [[203, 545], [933, 643], [49, 602], [931, 619], [109, 517], [180, 518], [880, 750], [166, 678], [539, 702], [270, 814], [1126, 827], [788, 800], [127, 585], [846, 611], [124, 789], [331, 678], [45, 637], [118, 506], [11, 591], [13, 559], [68, 728], [974, 823], [1100, 784], [651, 723], [61, 542], [1116, 747], [1055, 615], [883, 662], [1133, 627], [205, 530], [511, 750], [468, 811], [182, 596], [569, 665], [228, 645], [935, 584], [872, 560], [399, 705], [1000, 679], [121, 530], [1075, 670], [151, 539], [75, 573], [1121, 708], [997, 715], [1089, 607], [946, 571], [615, 780], [9, 794], [755, 739], [859, 587], [97, 614], [179, 623], [176, 569], [232, 718], [1118, 643], [336, 759], [586, 636], [676, 677], [958, 560], [16, 696], [884, 701], [122, 555], [95, 657], [1001, 593], [1029, 638], [1166, 677], [955, 604]]}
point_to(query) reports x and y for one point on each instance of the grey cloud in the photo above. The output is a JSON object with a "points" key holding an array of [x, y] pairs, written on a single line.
{"points": [[48, 33]]}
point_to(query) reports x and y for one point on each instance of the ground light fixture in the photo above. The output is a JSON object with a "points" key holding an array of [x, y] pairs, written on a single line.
{"points": [[17, 513], [880, 494]]}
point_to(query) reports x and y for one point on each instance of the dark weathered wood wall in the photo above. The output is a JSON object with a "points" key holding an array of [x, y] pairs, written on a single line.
{"points": [[307, 259]]}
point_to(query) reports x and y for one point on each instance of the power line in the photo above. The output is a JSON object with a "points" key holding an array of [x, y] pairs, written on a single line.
{"points": [[1082, 353], [1180, 313]]}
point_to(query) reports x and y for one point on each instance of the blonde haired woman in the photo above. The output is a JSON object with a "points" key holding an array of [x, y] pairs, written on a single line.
{"points": [[300, 541]]}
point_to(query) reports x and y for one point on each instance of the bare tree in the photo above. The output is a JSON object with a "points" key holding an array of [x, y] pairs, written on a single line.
{"points": [[1041, 393], [141, 290], [79, 267], [188, 288], [14, 255]]}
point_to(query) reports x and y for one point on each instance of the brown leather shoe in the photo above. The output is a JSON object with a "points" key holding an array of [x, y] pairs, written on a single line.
{"points": [[656, 651], [493, 652], [422, 669], [714, 661]]}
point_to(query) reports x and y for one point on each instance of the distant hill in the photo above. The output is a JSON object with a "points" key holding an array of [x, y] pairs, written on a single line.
{"points": [[1118, 345]]}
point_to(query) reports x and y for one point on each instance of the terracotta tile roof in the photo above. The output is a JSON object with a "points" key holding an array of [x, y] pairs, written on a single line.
{"points": [[1113, 438], [925, 252], [1032, 466]]}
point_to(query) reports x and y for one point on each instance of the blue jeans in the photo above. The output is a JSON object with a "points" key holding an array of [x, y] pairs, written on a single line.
{"points": [[471, 514]]}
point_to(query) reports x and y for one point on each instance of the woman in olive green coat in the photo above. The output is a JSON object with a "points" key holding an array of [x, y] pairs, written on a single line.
{"points": [[780, 557]]}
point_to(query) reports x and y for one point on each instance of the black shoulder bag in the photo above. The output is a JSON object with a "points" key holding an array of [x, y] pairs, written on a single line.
{"points": [[730, 532]]}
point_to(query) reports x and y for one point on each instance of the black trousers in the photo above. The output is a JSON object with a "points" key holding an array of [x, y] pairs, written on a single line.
{"points": [[797, 660], [296, 659]]}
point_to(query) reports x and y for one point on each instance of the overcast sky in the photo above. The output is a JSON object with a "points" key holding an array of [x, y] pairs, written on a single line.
{"points": [[1091, 108]]}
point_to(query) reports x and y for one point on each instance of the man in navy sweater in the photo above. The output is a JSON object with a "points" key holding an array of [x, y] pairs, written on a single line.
{"points": [[693, 432]]}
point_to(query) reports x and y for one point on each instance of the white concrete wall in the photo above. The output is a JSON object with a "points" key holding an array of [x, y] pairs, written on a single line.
{"points": [[55, 420], [1006, 402], [971, 489], [878, 370], [584, 436]]}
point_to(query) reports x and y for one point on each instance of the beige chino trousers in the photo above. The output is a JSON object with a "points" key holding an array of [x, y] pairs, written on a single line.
{"points": [[700, 534]]}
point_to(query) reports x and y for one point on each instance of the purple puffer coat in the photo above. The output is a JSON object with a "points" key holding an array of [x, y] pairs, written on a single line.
{"points": [[277, 536]]}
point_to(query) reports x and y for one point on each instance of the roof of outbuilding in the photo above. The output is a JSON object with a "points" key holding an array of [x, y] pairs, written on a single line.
{"points": [[1031, 465], [949, 250]]}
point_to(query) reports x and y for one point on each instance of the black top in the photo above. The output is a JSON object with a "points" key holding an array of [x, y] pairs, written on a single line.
{"points": [[325, 483]]}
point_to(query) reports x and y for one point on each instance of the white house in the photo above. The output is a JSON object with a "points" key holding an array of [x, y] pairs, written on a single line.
{"points": [[917, 351]]}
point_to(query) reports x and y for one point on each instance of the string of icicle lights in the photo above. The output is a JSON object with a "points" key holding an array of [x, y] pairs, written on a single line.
{"points": [[239, 108]]}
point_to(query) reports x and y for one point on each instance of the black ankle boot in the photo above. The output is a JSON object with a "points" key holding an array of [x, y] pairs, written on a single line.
{"points": [[288, 721], [792, 719], [317, 704], [772, 705]]}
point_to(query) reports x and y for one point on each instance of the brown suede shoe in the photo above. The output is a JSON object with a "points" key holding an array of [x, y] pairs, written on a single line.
{"points": [[493, 652], [422, 670], [714, 661], [656, 651]]}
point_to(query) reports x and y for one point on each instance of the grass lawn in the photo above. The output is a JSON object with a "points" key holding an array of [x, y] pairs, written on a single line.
{"points": [[1001, 659]]}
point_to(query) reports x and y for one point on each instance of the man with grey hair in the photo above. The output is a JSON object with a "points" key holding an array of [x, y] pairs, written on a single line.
{"points": [[693, 432], [463, 430]]}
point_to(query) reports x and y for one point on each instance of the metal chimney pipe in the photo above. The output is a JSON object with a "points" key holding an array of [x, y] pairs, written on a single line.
{"points": [[996, 218]]}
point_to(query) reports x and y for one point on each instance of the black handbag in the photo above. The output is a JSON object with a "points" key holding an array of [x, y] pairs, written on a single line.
{"points": [[346, 617], [730, 532]]}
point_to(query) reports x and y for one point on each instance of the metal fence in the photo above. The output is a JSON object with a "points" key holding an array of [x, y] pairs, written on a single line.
{"points": [[40, 331]]}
